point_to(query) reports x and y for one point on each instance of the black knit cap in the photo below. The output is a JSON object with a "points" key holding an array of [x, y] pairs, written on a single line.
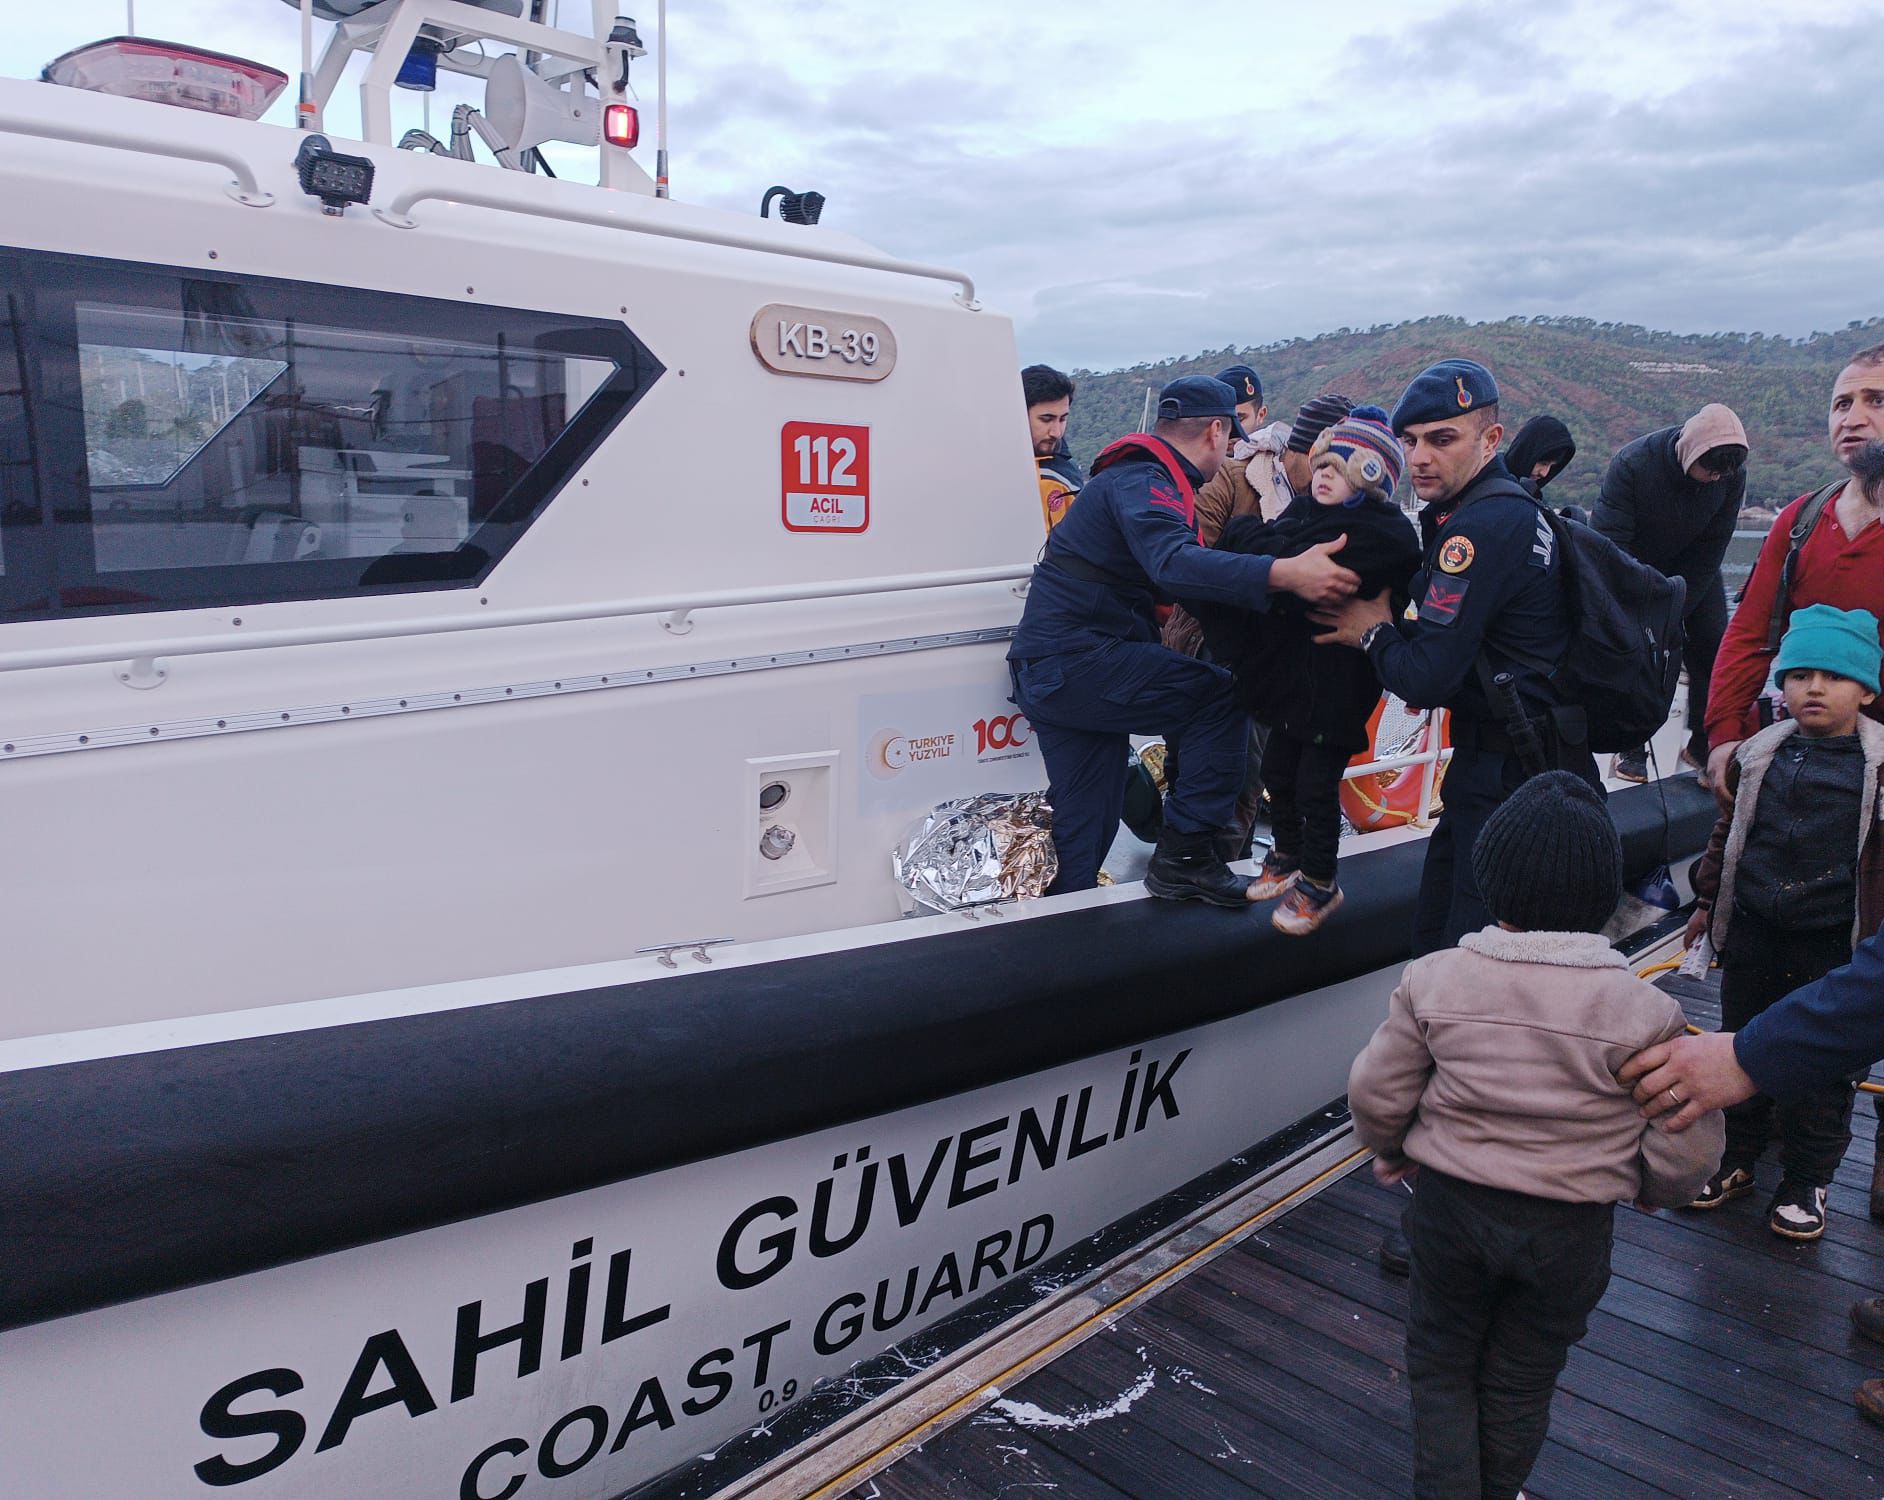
{"points": [[1549, 860], [1315, 418]]}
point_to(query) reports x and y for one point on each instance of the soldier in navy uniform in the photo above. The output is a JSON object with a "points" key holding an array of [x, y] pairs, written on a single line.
{"points": [[1490, 590], [1088, 667]]}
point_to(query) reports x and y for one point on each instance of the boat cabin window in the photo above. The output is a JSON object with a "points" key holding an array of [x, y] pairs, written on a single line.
{"points": [[19, 488], [235, 440]]}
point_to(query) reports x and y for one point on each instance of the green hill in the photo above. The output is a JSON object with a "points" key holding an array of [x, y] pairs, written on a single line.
{"points": [[1609, 382]]}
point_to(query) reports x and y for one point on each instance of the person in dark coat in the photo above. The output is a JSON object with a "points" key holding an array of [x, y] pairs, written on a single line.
{"points": [[1492, 587], [1671, 499], [1315, 699], [1088, 669], [1540, 452]]}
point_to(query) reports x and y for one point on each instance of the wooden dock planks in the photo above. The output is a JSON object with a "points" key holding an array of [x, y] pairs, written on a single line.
{"points": [[1721, 1364]]}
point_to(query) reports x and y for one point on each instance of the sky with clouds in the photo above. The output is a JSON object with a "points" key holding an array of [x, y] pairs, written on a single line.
{"points": [[1132, 181]]}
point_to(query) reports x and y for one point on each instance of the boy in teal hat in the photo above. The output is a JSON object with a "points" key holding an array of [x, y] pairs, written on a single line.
{"points": [[1791, 880]]}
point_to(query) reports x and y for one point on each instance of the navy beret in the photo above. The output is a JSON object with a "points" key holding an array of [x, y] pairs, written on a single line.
{"points": [[1448, 389], [1245, 382]]}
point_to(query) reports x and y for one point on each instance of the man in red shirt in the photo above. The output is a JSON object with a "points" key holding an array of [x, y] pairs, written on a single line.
{"points": [[1841, 563]]}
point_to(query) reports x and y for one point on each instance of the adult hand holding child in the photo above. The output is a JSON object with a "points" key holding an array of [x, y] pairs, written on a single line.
{"points": [[1314, 575]]}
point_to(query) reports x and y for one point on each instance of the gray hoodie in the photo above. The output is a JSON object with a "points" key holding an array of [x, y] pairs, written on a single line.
{"points": [[1497, 1064]]}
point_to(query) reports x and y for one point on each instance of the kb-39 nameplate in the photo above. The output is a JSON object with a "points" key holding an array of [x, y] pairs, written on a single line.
{"points": [[826, 345]]}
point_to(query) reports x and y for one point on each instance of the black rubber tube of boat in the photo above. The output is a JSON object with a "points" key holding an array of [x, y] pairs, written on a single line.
{"points": [[132, 1175]]}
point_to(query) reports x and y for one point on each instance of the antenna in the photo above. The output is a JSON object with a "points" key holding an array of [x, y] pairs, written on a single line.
{"points": [[660, 118], [1144, 422], [130, 17], [306, 113]]}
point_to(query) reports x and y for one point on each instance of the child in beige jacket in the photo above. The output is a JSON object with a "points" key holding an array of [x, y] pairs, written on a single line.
{"points": [[1493, 1078]]}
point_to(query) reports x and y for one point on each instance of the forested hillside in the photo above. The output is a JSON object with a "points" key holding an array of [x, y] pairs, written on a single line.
{"points": [[1610, 382]]}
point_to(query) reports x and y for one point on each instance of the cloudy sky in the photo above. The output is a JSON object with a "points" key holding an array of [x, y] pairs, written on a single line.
{"points": [[1131, 181]]}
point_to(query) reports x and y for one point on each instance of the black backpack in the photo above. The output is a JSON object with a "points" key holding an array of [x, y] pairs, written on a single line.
{"points": [[1625, 637]]}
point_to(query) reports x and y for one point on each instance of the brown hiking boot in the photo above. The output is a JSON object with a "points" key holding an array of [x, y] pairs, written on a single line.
{"points": [[1867, 1316], [1870, 1399], [1877, 1188]]}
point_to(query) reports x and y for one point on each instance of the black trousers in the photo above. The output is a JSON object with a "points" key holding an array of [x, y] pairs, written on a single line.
{"points": [[1304, 786], [1503, 1285], [1703, 626], [1764, 962]]}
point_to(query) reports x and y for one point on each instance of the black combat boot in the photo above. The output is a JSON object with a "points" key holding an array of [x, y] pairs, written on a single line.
{"points": [[1187, 867]]}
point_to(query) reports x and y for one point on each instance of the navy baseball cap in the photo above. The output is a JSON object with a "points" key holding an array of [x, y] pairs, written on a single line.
{"points": [[1245, 382], [1450, 388], [1199, 396]]}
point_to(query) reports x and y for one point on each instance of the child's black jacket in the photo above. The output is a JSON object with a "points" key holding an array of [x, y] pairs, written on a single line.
{"points": [[1320, 694]]}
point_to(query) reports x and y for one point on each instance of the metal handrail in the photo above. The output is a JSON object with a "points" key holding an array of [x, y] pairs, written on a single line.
{"points": [[1430, 759], [398, 213], [245, 189], [675, 607]]}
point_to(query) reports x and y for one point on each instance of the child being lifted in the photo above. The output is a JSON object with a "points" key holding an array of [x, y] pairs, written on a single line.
{"points": [[1316, 700]]}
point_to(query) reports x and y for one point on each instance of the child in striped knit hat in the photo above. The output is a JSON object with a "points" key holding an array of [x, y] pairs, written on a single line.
{"points": [[1316, 699]]}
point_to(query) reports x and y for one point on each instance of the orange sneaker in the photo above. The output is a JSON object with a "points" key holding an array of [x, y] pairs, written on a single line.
{"points": [[1305, 907], [1273, 878]]}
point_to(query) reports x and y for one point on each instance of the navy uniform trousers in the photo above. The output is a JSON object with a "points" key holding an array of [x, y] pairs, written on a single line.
{"points": [[1084, 704]]}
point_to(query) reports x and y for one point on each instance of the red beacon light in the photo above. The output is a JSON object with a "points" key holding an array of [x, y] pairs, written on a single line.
{"points": [[621, 126], [135, 67]]}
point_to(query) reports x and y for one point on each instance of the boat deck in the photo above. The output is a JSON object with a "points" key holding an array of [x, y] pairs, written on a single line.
{"points": [[1721, 1363]]}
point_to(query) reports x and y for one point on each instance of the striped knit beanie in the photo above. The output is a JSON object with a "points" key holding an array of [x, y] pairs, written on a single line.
{"points": [[1316, 416], [1365, 449]]}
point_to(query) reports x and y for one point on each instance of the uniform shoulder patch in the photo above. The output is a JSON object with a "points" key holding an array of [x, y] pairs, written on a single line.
{"points": [[1444, 596], [1543, 543], [1456, 554]]}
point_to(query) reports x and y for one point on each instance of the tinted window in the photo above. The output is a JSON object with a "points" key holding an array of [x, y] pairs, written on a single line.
{"points": [[240, 440], [22, 583]]}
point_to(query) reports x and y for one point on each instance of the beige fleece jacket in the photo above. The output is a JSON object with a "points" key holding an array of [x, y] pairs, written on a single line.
{"points": [[1497, 1064]]}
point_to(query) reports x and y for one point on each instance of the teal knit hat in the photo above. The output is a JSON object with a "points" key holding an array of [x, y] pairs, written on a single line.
{"points": [[1832, 640]]}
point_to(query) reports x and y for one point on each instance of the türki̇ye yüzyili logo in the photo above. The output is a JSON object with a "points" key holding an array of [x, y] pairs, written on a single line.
{"points": [[891, 751]]}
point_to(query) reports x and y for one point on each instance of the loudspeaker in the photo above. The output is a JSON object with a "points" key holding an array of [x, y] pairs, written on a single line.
{"points": [[526, 111]]}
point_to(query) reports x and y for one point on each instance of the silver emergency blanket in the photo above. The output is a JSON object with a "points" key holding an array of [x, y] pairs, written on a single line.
{"points": [[976, 850]]}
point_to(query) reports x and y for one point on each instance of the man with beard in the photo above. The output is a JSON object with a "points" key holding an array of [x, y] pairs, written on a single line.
{"points": [[1049, 396], [1836, 558]]}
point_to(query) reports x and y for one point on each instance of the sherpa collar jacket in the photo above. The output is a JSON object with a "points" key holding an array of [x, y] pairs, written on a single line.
{"points": [[1497, 1064], [1714, 875]]}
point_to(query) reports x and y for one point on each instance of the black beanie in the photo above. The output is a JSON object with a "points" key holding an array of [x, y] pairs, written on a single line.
{"points": [[1549, 860]]}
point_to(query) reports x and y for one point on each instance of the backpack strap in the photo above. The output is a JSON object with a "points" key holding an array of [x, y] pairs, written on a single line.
{"points": [[1802, 527]]}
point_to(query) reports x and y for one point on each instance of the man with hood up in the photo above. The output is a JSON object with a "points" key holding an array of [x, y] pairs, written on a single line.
{"points": [[1540, 452], [1671, 499]]}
